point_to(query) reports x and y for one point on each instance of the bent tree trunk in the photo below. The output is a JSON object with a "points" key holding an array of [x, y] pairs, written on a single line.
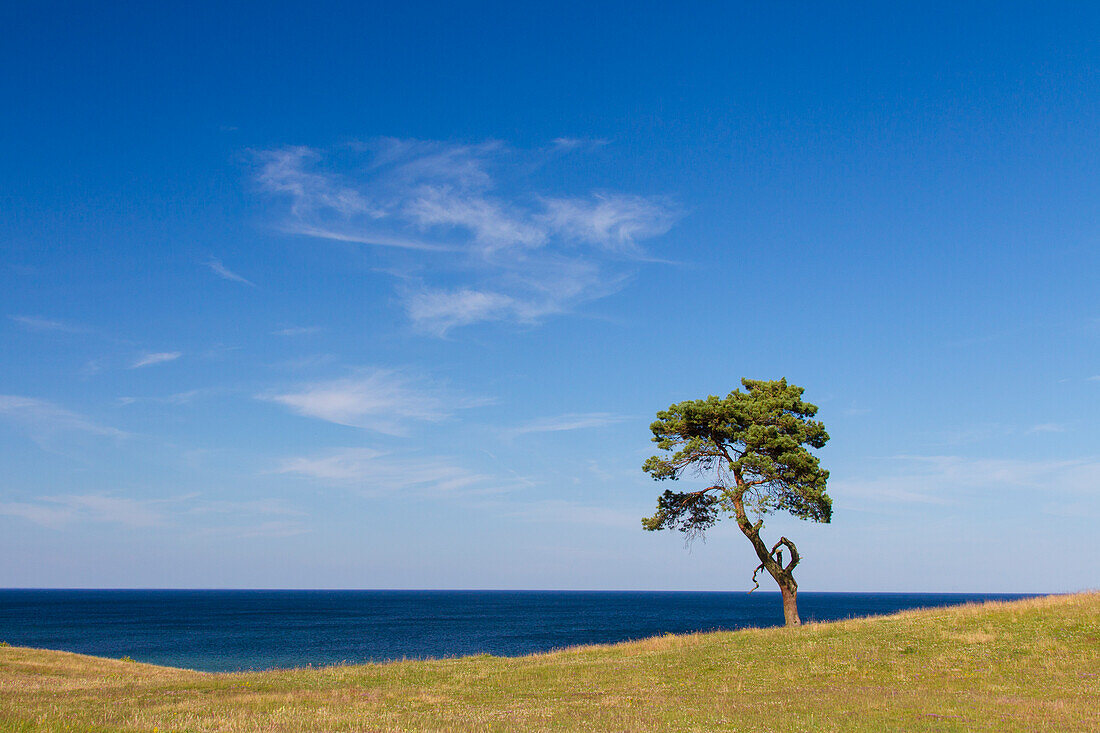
{"points": [[772, 561], [790, 604], [784, 578]]}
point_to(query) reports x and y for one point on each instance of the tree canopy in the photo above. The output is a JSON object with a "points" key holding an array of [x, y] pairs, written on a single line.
{"points": [[752, 448]]}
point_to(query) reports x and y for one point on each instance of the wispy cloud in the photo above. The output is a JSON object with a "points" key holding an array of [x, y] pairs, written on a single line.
{"points": [[177, 398], [947, 480], [42, 419], [380, 473], [438, 311], [557, 511], [308, 361], [225, 273], [524, 255], [251, 506], [35, 323], [573, 143], [1047, 427], [262, 518], [297, 331], [374, 239], [191, 512], [571, 421], [561, 284], [613, 221], [382, 400], [155, 358], [58, 511], [186, 397]]}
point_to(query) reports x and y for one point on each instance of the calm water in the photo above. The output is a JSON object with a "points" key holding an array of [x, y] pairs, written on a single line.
{"points": [[217, 630]]}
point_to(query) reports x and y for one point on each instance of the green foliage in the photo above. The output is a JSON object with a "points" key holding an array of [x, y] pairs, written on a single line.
{"points": [[127, 658], [752, 447]]}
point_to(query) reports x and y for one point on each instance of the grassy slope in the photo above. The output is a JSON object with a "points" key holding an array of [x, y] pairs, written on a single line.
{"points": [[1023, 665]]}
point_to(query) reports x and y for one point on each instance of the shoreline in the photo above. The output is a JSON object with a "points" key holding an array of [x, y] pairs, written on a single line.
{"points": [[1001, 665]]}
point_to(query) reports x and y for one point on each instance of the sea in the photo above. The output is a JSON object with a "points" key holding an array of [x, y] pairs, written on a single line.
{"points": [[231, 630]]}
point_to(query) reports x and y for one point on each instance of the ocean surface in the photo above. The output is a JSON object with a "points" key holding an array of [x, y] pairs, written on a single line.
{"points": [[226, 630]]}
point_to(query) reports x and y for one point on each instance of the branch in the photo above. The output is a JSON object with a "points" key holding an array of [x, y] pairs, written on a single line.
{"points": [[691, 458], [778, 554], [699, 493], [755, 582], [725, 453]]}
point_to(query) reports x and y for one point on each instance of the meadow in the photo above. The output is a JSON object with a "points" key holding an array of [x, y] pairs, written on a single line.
{"points": [[1022, 665]]}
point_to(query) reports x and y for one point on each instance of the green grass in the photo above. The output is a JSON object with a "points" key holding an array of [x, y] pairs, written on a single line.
{"points": [[1022, 665]]}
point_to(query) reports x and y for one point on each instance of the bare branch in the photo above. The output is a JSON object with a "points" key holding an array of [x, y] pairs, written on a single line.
{"points": [[778, 554], [755, 582]]}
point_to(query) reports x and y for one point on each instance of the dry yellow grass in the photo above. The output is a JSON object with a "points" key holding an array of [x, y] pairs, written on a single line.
{"points": [[1021, 665]]}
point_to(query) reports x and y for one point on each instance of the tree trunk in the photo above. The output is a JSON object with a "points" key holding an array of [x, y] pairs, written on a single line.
{"points": [[790, 605], [771, 560]]}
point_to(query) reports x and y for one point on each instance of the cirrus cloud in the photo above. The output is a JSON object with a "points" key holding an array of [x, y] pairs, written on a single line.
{"points": [[377, 473], [42, 418], [489, 247], [155, 358], [382, 400]]}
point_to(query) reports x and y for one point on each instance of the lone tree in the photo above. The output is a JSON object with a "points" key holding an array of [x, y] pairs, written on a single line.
{"points": [[751, 448]]}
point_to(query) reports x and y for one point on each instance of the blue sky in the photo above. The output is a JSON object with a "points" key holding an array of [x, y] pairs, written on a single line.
{"points": [[355, 296]]}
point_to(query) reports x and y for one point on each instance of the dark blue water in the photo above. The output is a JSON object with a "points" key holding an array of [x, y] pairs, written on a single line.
{"points": [[224, 630]]}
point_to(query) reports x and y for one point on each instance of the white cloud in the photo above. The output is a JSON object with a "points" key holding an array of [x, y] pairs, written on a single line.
{"points": [[438, 311], [379, 473], [155, 358], [571, 421], [948, 480], [902, 489], [225, 273], [375, 239], [517, 254], [612, 221], [252, 506], [176, 398], [191, 395], [61, 511], [574, 143], [204, 516], [981, 472], [35, 323], [349, 464], [493, 225], [297, 331], [561, 285], [308, 361], [58, 511], [380, 399], [1047, 427], [41, 418], [285, 171], [557, 511]]}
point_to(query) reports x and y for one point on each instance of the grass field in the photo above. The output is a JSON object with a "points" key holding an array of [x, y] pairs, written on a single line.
{"points": [[1021, 665]]}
